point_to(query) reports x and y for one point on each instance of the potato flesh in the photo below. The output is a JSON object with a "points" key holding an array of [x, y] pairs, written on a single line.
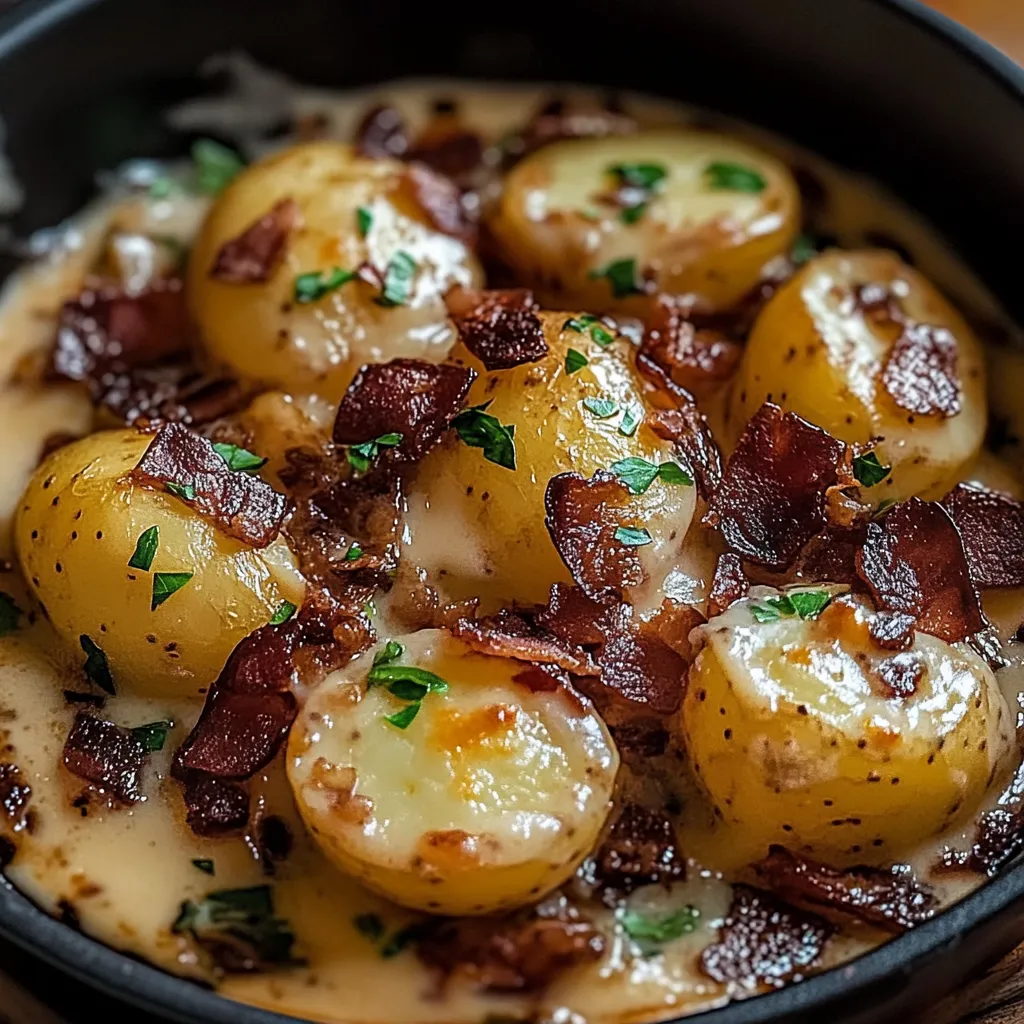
{"points": [[489, 798], [480, 527], [693, 239], [261, 332], [795, 743], [76, 529], [814, 353]]}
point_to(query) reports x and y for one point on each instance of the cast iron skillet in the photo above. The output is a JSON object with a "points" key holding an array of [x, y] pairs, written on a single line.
{"points": [[883, 86]]}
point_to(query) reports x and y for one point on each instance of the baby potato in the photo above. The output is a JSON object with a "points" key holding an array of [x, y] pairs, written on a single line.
{"points": [[265, 333], [817, 351], [77, 529], [480, 525], [799, 737], [696, 213], [488, 798]]}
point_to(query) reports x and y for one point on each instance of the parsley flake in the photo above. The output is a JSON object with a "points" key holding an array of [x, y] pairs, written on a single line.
{"points": [[362, 456], [370, 925], [621, 276], [96, 668], [806, 604], [355, 551], [602, 336], [575, 361], [215, 165], [479, 430], [161, 188], [403, 937], [397, 280], [868, 470], [165, 584], [205, 865], [316, 284], [652, 931], [645, 176], [9, 614], [630, 420], [404, 718], [579, 324], [284, 611], [602, 408], [722, 176], [145, 549], [390, 652], [632, 214], [184, 491], [152, 735], [364, 218], [632, 536], [638, 474], [406, 682], [803, 250], [239, 459]]}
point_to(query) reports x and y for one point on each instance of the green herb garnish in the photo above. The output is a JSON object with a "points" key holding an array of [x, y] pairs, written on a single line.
{"points": [[868, 470], [652, 931], [184, 491], [397, 280], [239, 459], [403, 937], [479, 430], [621, 276], [205, 865], [645, 176], [729, 177], [602, 408], [364, 218], [807, 604], [638, 474], [355, 551], [370, 925], [161, 188], [578, 324], [390, 652], [362, 456], [152, 735], [145, 549], [403, 719], [575, 361], [803, 250], [632, 536], [165, 584], [215, 165], [316, 284], [631, 420], [590, 324], [96, 668], [284, 611], [406, 682], [9, 614]]}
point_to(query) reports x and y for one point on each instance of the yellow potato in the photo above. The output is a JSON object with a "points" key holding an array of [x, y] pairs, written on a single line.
{"points": [[76, 529], [264, 334], [719, 212], [486, 800], [481, 527], [798, 740], [815, 352]]}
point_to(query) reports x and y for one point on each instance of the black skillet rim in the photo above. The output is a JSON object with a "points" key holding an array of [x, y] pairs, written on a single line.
{"points": [[150, 988]]}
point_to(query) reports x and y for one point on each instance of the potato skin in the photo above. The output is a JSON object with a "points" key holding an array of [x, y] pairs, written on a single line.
{"points": [[815, 353], [495, 543], [487, 800], [263, 334], [76, 529], [553, 229], [795, 743]]}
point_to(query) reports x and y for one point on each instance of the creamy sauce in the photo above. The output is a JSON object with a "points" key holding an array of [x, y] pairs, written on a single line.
{"points": [[127, 871]]}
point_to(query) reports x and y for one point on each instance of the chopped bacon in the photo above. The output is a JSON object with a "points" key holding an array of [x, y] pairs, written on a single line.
{"points": [[171, 393], [638, 670], [991, 527], [442, 202], [410, 397], [448, 148], [254, 255], [14, 797], [729, 584], [582, 517], [913, 561], [771, 500], [831, 556], [239, 504], [553, 123], [641, 849], [214, 807], [382, 133], [892, 630], [500, 328], [920, 373], [764, 942], [887, 898], [105, 755]]}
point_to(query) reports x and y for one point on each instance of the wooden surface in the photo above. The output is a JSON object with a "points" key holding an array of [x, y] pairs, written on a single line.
{"points": [[996, 998]]}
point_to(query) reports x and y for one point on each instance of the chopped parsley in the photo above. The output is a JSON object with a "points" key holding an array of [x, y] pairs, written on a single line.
{"points": [[638, 474], [145, 549], [806, 604], [243, 920], [397, 280], [630, 420], [479, 430], [602, 408], [590, 324], [803, 250], [632, 536], [868, 470], [403, 937], [152, 735], [406, 682], [364, 218], [884, 505], [284, 611], [355, 551], [9, 614], [315, 284], [165, 584], [652, 931], [632, 214], [645, 180], [239, 459], [362, 456], [728, 177], [575, 361], [215, 165], [370, 925], [390, 652], [403, 719], [621, 276], [96, 668], [205, 865], [184, 491]]}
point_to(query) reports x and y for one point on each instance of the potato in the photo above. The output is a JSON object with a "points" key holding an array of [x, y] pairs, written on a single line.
{"points": [[797, 739], [816, 352], [76, 529], [487, 799], [481, 527], [261, 331], [719, 210]]}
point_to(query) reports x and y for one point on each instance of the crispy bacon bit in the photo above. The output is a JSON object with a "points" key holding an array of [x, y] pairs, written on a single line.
{"points": [[382, 133], [105, 755], [215, 807], [892, 630], [441, 201], [900, 674], [239, 504], [554, 123], [641, 849], [410, 397], [14, 796], [499, 327], [171, 393], [452, 150], [913, 562], [920, 374], [891, 899], [640, 670], [831, 557], [729, 583], [582, 517], [577, 619], [763, 942], [512, 954], [991, 527], [771, 501], [254, 255]]}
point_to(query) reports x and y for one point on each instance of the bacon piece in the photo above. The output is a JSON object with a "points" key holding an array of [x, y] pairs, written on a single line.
{"points": [[582, 517], [891, 899], [576, 619], [554, 123], [499, 327], [382, 133], [913, 562], [641, 849], [729, 584], [920, 373], [763, 942], [771, 501], [410, 397], [638, 671], [105, 755], [254, 255], [831, 556], [15, 793], [991, 527], [239, 504], [441, 200], [171, 393], [214, 807]]}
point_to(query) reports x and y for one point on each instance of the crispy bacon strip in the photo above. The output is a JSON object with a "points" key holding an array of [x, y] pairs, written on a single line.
{"points": [[441, 200], [729, 584], [500, 328], [253, 256], [641, 849], [105, 755], [991, 527]]}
